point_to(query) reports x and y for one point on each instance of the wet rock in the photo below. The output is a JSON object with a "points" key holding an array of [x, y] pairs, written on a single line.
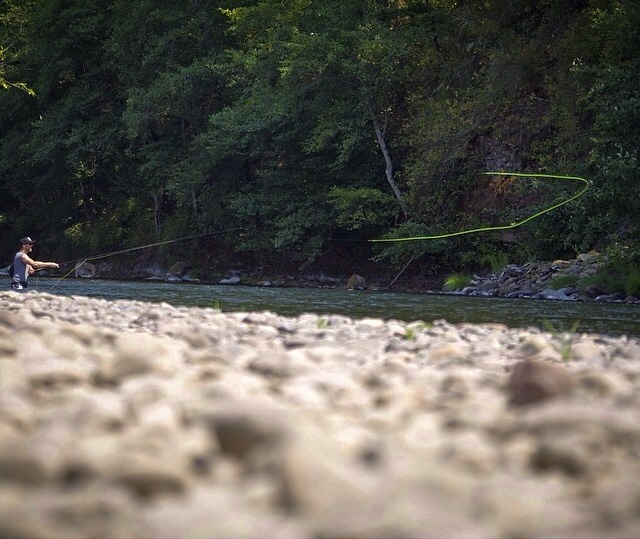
{"points": [[179, 269], [593, 291], [487, 288], [356, 282], [231, 280], [86, 270], [553, 294], [618, 296]]}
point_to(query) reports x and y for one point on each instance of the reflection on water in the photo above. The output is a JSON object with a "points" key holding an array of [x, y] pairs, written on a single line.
{"points": [[612, 318]]}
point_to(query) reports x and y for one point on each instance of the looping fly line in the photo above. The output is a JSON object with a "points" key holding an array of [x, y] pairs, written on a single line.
{"points": [[511, 225]]}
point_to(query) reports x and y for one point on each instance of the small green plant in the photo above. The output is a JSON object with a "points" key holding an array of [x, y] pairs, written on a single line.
{"points": [[564, 338], [322, 323], [619, 273], [608, 281], [496, 260], [457, 281], [411, 332], [562, 281]]}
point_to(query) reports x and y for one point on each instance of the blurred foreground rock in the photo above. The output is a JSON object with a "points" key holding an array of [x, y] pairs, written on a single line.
{"points": [[126, 419]]}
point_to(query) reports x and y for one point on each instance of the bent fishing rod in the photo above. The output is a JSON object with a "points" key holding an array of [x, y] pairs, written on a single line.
{"points": [[81, 261]]}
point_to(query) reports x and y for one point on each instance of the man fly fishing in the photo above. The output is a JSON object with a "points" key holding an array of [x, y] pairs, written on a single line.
{"points": [[23, 265]]}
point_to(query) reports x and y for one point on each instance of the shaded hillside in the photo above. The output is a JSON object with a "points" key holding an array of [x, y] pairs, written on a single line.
{"points": [[287, 129]]}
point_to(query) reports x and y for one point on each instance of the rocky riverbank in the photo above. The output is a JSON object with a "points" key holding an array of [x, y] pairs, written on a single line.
{"points": [[543, 280], [558, 279], [126, 419]]}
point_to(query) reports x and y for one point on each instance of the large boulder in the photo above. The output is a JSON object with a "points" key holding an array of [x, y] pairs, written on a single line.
{"points": [[179, 269], [356, 282], [86, 270]]}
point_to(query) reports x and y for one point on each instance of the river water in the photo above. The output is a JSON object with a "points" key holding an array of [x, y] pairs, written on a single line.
{"points": [[609, 318]]}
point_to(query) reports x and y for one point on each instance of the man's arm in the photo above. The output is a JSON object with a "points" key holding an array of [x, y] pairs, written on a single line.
{"points": [[37, 264]]}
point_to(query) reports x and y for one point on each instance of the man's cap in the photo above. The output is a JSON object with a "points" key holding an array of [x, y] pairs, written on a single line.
{"points": [[26, 239]]}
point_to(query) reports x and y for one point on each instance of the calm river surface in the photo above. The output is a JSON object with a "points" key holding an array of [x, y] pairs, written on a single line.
{"points": [[610, 318]]}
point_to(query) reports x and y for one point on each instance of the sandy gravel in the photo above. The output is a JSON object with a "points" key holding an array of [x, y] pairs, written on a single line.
{"points": [[126, 419]]}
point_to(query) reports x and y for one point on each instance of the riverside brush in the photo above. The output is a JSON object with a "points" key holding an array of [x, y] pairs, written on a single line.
{"points": [[516, 224]]}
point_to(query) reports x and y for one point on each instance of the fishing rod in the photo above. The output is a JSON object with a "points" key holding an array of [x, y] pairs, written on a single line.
{"points": [[81, 261], [516, 224]]}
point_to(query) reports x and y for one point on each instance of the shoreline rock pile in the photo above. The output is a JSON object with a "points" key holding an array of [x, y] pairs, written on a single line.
{"points": [[129, 419], [534, 280]]}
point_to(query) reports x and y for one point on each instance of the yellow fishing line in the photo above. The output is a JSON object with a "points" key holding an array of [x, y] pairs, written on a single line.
{"points": [[510, 225]]}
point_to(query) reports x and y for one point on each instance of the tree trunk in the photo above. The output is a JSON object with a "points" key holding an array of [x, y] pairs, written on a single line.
{"points": [[194, 204], [387, 159], [157, 201], [88, 211]]}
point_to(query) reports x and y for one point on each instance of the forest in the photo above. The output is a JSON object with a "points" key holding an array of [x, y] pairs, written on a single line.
{"points": [[285, 134]]}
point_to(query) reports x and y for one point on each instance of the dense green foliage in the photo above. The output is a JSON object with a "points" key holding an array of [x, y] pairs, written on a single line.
{"points": [[293, 131]]}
